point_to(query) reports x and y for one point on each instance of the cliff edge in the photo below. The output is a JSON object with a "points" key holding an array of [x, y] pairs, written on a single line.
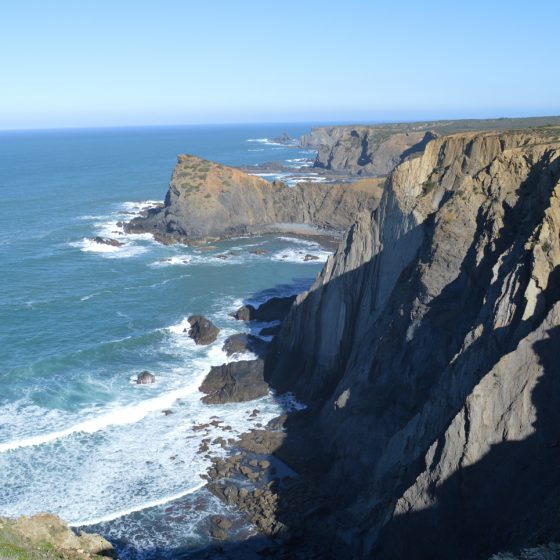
{"points": [[425, 352]]}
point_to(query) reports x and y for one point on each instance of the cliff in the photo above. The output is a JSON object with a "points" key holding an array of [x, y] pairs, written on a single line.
{"points": [[425, 352], [209, 201], [377, 149]]}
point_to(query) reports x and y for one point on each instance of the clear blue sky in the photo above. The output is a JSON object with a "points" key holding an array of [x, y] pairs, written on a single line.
{"points": [[119, 62]]}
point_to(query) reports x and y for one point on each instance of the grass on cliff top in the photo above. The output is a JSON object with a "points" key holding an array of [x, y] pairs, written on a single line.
{"points": [[15, 547]]}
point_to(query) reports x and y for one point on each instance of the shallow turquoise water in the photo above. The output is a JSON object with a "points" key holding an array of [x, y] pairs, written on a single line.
{"points": [[78, 321]]}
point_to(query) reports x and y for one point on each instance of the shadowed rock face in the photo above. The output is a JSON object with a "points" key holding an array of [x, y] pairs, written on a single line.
{"points": [[209, 201], [234, 382], [425, 351]]}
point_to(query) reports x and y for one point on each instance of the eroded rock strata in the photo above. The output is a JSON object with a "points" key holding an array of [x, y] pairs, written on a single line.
{"points": [[208, 201], [426, 353], [377, 149]]}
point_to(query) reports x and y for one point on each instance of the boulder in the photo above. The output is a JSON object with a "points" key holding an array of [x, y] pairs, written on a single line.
{"points": [[235, 382], [202, 330], [145, 378], [275, 309], [309, 257], [241, 342]]}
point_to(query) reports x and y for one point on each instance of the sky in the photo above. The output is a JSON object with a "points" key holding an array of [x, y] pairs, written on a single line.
{"points": [[166, 62]]}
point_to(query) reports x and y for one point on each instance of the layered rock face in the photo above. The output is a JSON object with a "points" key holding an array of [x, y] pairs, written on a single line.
{"points": [[364, 150], [377, 149], [425, 351], [209, 201]]}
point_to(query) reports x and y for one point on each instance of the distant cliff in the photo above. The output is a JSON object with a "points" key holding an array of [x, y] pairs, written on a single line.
{"points": [[427, 352], [209, 201], [377, 149]]}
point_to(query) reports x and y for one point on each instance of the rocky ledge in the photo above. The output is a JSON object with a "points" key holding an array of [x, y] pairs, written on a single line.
{"points": [[207, 201], [47, 537]]}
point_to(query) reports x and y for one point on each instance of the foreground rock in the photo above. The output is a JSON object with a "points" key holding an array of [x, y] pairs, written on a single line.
{"points": [[207, 201], [274, 309], [242, 343], [48, 537], [235, 382], [430, 371], [107, 241], [202, 330]]}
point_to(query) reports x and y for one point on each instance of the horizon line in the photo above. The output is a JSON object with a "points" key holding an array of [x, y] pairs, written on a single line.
{"points": [[337, 122]]}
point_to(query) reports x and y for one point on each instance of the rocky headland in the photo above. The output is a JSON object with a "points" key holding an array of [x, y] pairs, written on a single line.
{"points": [[207, 201]]}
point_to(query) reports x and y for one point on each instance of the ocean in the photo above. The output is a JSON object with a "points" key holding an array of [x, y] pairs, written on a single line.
{"points": [[80, 320]]}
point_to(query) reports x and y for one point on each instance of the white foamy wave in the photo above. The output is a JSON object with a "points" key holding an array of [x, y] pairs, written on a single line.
{"points": [[298, 241], [205, 259], [299, 163], [121, 513], [126, 250], [297, 256], [173, 261], [119, 417]]}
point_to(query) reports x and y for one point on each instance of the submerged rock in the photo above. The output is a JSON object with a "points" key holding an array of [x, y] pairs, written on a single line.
{"points": [[145, 378], [241, 343], [202, 330], [107, 241], [309, 257], [235, 382], [270, 331]]}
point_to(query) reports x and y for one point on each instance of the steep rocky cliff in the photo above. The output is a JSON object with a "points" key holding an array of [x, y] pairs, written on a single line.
{"points": [[208, 201], [426, 352], [377, 149], [364, 150]]}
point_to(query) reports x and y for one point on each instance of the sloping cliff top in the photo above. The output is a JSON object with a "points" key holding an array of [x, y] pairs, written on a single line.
{"points": [[47, 537], [209, 201]]}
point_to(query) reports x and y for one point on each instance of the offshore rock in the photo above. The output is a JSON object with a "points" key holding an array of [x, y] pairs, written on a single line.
{"points": [[235, 382], [202, 330]]}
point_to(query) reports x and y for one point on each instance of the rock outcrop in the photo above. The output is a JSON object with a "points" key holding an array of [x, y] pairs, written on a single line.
{"points": [[47, 536], [273, 309], [241, 343], [426, 353], [202, 330], [208, 201], [377, 149], [235, 382]]}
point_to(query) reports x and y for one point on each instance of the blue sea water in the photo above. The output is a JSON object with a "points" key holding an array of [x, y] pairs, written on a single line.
{"points": [[79, 321]]}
